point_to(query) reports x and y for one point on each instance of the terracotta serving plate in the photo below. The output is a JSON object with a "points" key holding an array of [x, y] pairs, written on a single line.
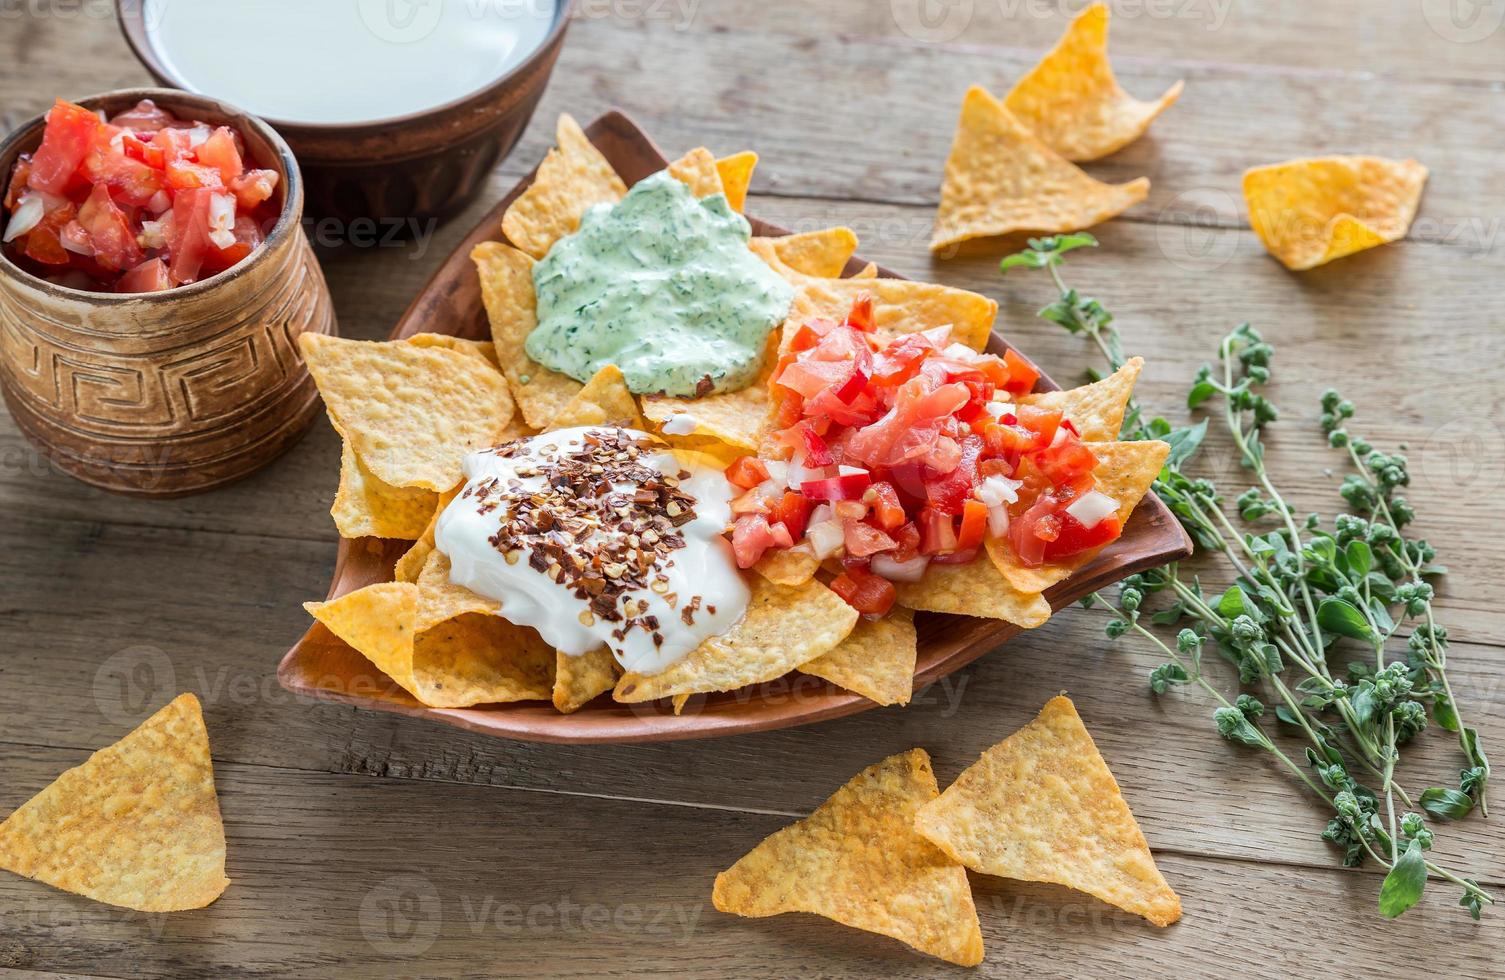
{"points": [[322, 666]]}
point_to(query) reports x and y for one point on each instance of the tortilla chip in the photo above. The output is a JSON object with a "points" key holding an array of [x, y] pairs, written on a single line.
{"points": [[443, 599], [1000, 179], [787, 566], [411, 413], [578, 680], [570, 180], [1073, 103], [137, 825], [480, 348], [823, 253], [441, 647], [858, 861], [604, 400], [698, 169], [976, 588], [1124, 471], [1097, 410], [876, 660], [511, 306], [785, 626], [365, 506], [1309, 212], [736, 173], [869, 271], [410, 565], [1042, 806], [736, 419]]}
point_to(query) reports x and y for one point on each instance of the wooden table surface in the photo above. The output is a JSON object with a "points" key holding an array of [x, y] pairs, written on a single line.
{"points": [[364, 844]]}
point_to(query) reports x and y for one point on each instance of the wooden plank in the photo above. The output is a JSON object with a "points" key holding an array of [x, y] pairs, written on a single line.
{"points": [[391, 878]]}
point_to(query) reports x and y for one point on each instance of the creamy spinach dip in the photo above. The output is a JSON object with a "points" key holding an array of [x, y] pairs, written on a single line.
{"points": [[662, 285]]}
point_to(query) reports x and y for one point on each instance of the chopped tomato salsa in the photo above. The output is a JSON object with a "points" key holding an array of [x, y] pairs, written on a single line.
{"points": [[893, 456], [140, 202]]}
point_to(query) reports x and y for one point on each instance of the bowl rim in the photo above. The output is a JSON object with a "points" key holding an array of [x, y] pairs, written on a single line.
{"points": [[132, 17], [287, 220]]}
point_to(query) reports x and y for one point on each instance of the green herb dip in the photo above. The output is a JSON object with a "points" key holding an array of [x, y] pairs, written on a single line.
{"points": [[662, 285]]}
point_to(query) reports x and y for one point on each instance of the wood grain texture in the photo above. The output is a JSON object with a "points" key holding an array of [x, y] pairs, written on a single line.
{"points": [[348, 829]]}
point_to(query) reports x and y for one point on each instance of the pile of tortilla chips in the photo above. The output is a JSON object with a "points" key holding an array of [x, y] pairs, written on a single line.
{"points": [[1010, 167], [888, 852], [409, 411], [137, 825]]}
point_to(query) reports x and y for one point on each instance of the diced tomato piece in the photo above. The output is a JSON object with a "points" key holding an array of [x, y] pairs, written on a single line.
{"points": [[190, 234], [44, 242], [1022, 374], [1072, 538], [907, 542], [817, 453], [253, 187], [793, 511], [219, 151], [148, 277], [937, 533], [747, 472], [751, 537], [18, 179], [173, 144], [947, 493], [66, 140], [847, 486], [109, 231], [1030, 532], [884, 500], [183, 175], [869, 594], [145, 116], [862, 539], [861, 314], [974, 525], [1068, 463], [1041, 421]]}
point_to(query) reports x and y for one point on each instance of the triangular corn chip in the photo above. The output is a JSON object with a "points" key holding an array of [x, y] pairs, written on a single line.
{"points": [[137, 825], [736, 419], [1124, 471], [481, 348], [512, 307], [876, 660], [445, 652], [858, 861], [823, 253], [736, 174], [869, 271], [1309, 212], [1042, 806], [1097, 410], [578, 680], [784, 627], [1001, 179], [787, 566], [410, 565], [974, 588], [604, 400], [1073, 103], [366, 506], [570, 180], [698, 169], [411, 413], [443, 599]]}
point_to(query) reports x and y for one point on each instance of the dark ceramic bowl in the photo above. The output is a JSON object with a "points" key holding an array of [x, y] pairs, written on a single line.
{"points": [[421, 166], [168, 393]]}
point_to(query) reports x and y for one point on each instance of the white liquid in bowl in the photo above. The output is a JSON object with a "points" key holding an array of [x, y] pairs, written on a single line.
{"points": [[343, 61]]}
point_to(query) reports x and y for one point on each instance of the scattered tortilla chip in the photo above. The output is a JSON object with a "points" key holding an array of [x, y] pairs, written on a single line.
{"points": [[736, 175], [1309, 212], [1097, 410], [785, 626], [735, 419], [869, 271], [410, 565], [1073, 103], [570, 180], [976, 588], [137, 825], [578, 680], [365, 506], [511, 306], [411, 413], [787, 566], [876, 660], [858, 861], [698, 169], [823, 253], [604, 400], [444, 650], [1042, 806], [1000, 179], [1124, 471]]}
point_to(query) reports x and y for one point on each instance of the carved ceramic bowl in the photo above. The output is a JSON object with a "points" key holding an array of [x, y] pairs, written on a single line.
{"points": [[168, 393]]}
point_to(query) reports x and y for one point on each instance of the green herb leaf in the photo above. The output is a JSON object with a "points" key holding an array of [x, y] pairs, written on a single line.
{"points": [[1233, 726], [1360, 558], [1200, 392], [1343, 618], [1445, 803], [1403, 885]]}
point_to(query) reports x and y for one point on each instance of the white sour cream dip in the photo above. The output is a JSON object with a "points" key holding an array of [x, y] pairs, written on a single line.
{"points": [[598, 536]]}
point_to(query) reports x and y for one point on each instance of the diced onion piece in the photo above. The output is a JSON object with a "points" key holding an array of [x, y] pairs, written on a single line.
{"points": [[778, 471], [854, 509], [222, 220], [1091, 507], [159, 202], [1059, 437], [998, 520], [900, 571], [28, 215], [798, 474], [999, 409], [824, 532], [199, 134], [153, 235], [997, 490]]}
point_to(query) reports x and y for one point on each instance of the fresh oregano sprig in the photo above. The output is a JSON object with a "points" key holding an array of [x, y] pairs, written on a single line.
{"points": [[1298, 590]]}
